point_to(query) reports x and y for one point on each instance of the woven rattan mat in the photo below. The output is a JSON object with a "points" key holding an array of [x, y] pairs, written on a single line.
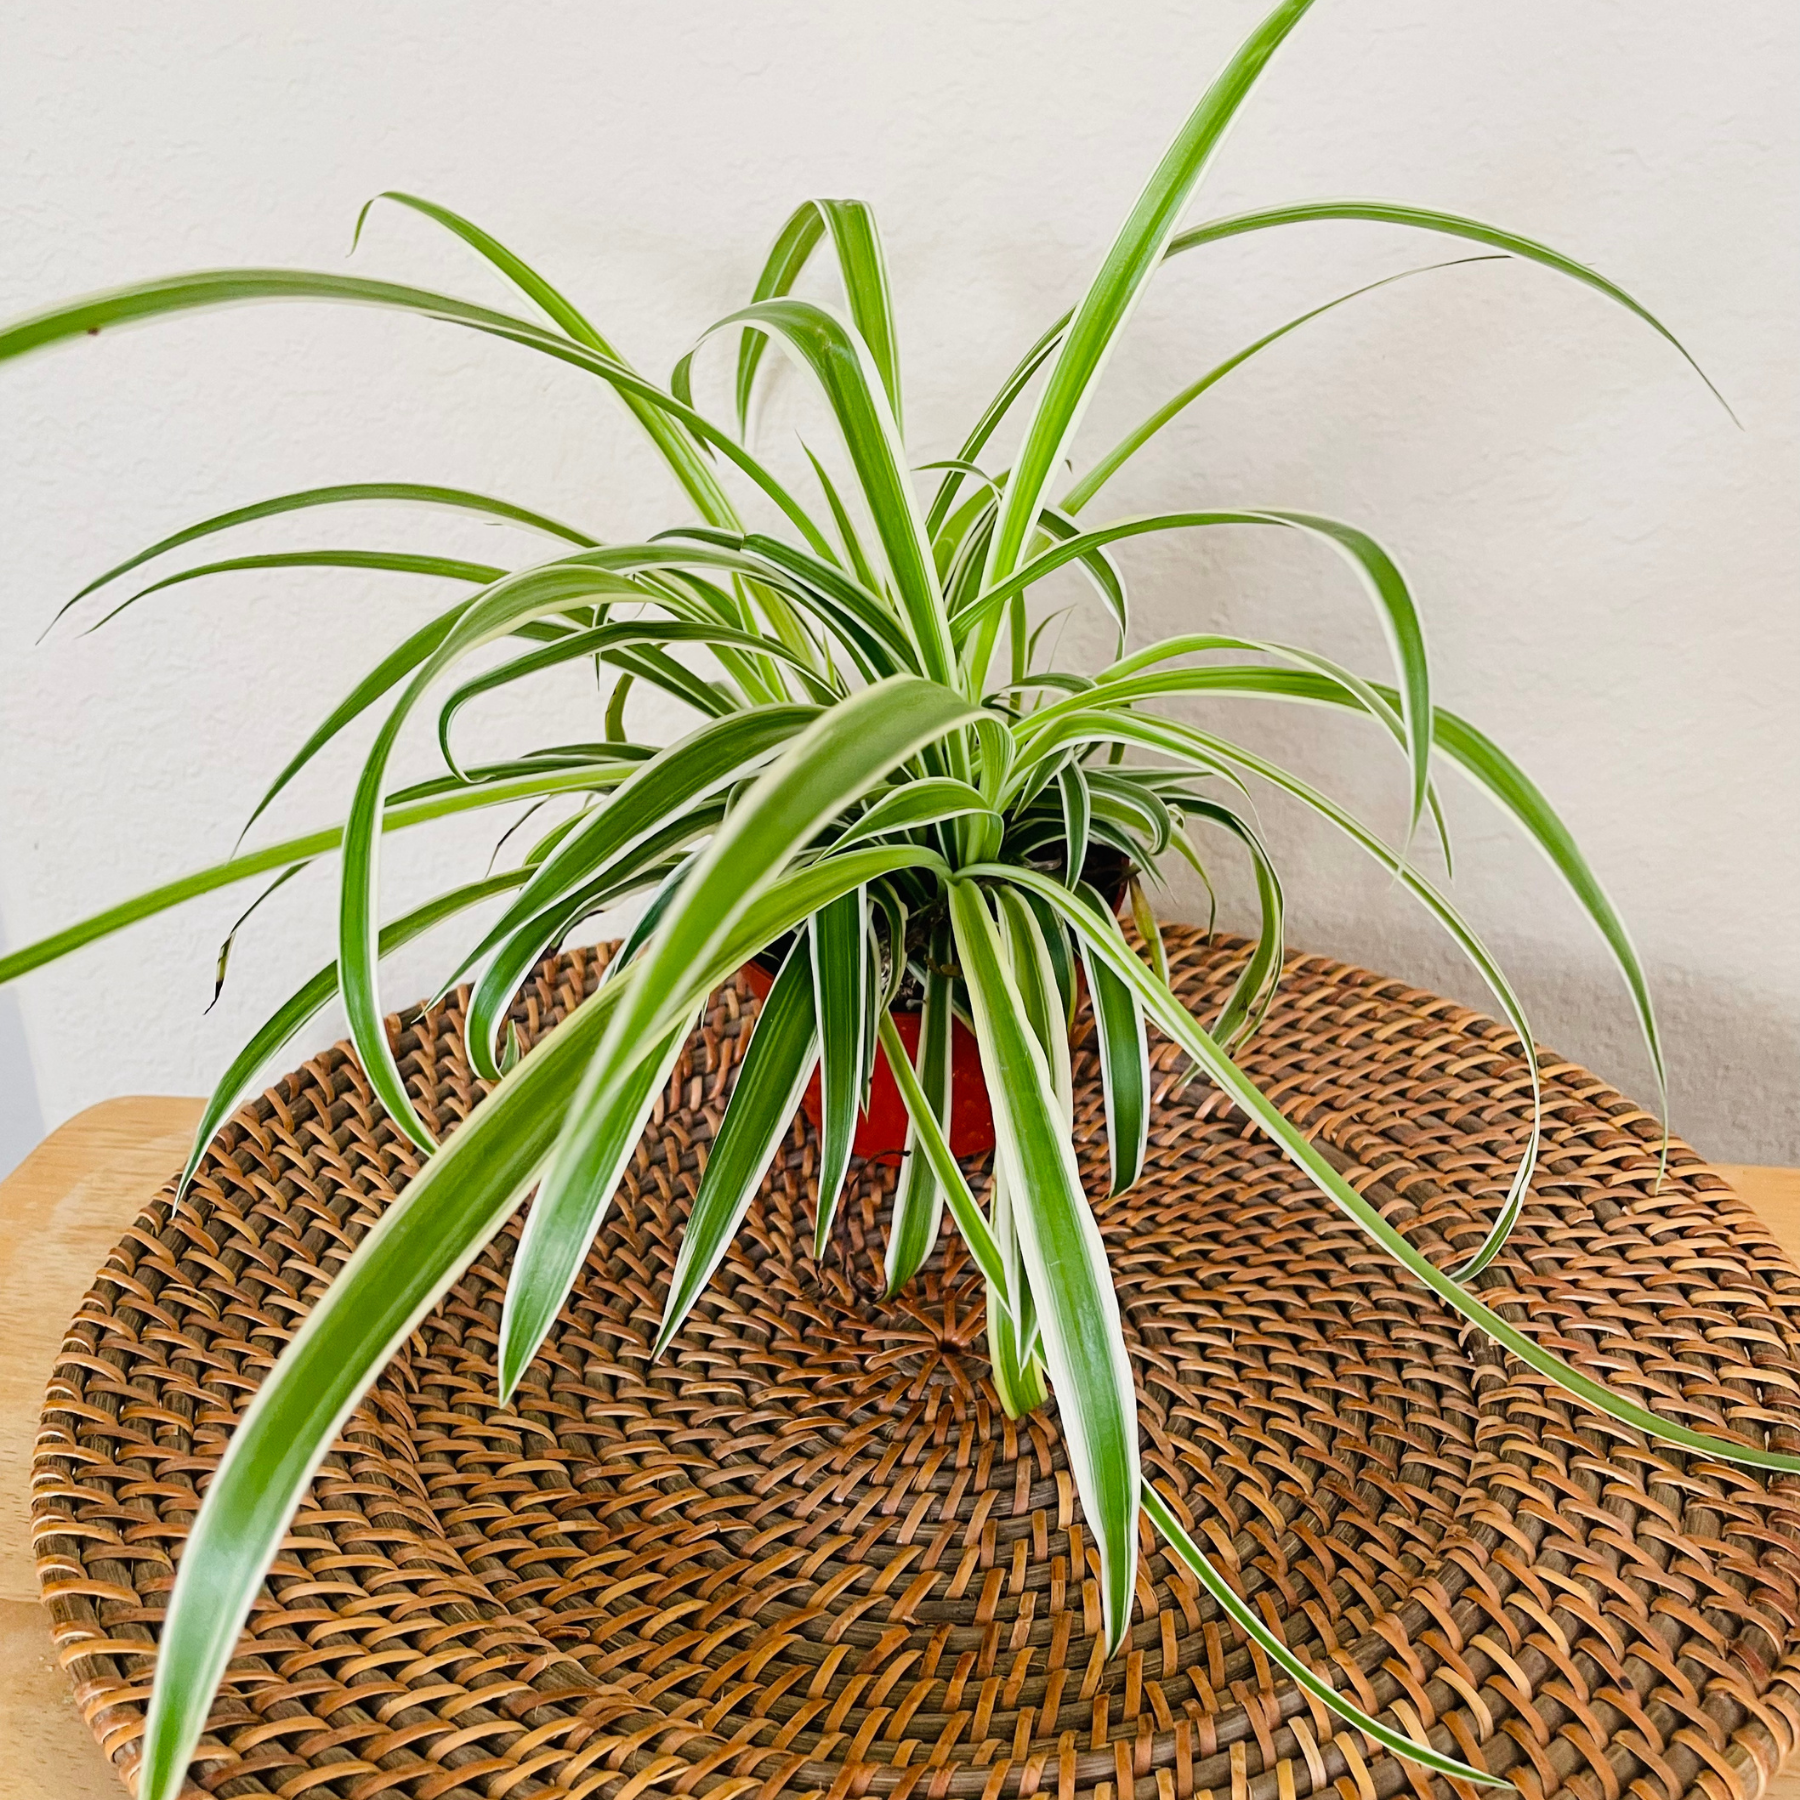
{"points": [[807, 1554]]}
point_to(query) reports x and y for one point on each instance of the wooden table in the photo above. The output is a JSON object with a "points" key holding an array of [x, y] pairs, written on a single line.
{"points": [[61, 1210]]}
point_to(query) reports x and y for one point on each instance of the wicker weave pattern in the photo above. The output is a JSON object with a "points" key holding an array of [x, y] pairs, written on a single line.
{"points": [[808, 1555]]}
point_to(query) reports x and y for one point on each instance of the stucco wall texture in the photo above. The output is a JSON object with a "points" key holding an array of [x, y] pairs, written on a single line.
{"points": [[1607, 564]]}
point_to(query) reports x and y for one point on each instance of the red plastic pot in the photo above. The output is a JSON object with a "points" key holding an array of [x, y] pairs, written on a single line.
{"points": [[881, 1131]]}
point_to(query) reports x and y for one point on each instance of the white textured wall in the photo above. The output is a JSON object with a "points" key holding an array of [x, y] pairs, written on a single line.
{"points": [[1607, 565]]}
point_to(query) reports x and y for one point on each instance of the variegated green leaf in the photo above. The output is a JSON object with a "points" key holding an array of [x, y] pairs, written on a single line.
{"points": [[1065, 1261], [842, 756], [307, 1002], [677, 448], [841, 1004], [919, 1194], [1168, 1014], [1124, 1054], [1246, 1618], [1128, 446], [402, 812], [929, 1141], [415, 493], [571, 1205], [1116, 290], [784, 1047], [1424, 218]]}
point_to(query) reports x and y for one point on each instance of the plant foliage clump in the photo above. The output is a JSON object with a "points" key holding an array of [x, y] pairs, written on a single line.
{"points": [[889, 783]]}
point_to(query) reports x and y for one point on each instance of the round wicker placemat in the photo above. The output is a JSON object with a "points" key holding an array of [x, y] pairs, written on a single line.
{"points": [[807, 1554]]}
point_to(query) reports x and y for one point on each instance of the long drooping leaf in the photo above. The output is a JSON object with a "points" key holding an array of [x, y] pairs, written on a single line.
{"points": [[415, 493], [675, 445], [494, 613], [1017, 1370], [1055, 940], [1136, 678], [1174, 738], [668, 574], [1117, 288], [1065, 1261], [590, 1157], [784, 1047], [1032, 965], [841, 1004], [1387, 587], [1124, 1057], [1107, 466], [1247, 1003], [1171, 1017], [928, 1139], [1030, 960], [395, 562], [294, 1013], [1032, 776], [1405, 633], [226, 287], [919, 1194], [874, 987], [1514, 792], [1246, 1618], [420, 1246], [412, 1255], [1471, 946], [1424, 218], [1380, 212], [400, 814]]}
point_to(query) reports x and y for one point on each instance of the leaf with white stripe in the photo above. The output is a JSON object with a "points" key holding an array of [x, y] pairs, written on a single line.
{"points": [[784, 1046], [1065, 1260], [842, 1003]]}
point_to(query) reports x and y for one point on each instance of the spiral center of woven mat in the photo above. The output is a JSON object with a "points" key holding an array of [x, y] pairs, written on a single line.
{"points": [[807, 1553]]}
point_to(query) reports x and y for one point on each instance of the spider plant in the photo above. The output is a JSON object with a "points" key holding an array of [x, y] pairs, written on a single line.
{"points": [[889, 787]]}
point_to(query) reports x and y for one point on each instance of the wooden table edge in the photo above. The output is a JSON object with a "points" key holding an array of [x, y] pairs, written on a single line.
{"points": [[61, 1210]]}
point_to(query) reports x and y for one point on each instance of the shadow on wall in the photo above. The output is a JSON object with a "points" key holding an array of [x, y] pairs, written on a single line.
{"points": [[21, 1119]]}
